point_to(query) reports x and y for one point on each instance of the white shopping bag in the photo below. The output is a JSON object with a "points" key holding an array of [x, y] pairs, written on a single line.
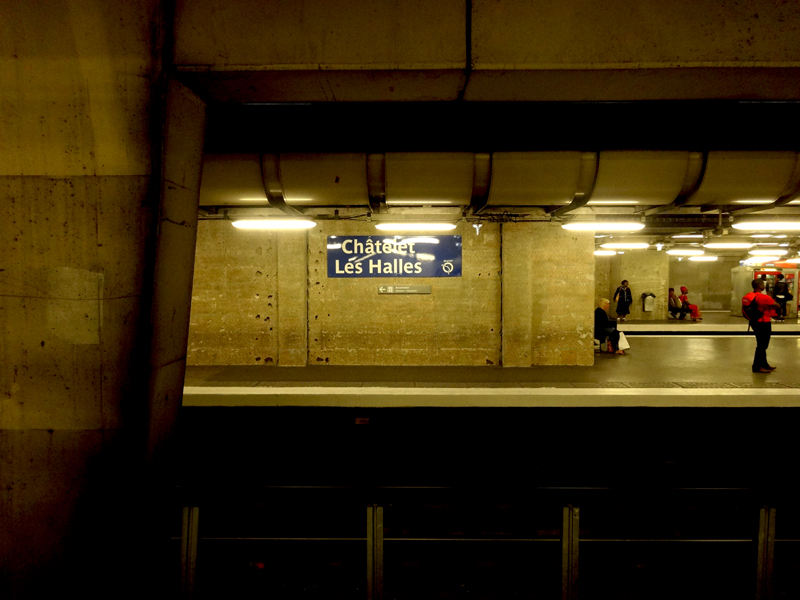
{"points": [[623, 342]]}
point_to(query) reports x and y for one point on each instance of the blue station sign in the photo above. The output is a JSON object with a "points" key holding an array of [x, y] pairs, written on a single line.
{"points": [[394, 256]]}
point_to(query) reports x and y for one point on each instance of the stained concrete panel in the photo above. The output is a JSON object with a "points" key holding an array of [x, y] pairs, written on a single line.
{"points": [[46, 503], [234, 296], [83, 94], [285, 34], [56, 383], [93, 224], [457, 324], [326, 85], [548, 290], [602, 277], [598, 83], [517, 34], [292, 299]]}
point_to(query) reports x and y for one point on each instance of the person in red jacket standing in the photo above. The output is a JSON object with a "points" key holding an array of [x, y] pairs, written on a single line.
{"points": [[759, 309]]}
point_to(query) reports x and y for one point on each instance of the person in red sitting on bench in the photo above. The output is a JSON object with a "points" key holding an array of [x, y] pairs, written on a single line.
{"points": [[684, 298], [759, 309]]}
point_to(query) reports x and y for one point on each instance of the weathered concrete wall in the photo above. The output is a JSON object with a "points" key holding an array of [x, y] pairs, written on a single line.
{"points": [[602, 278], [457, 324], [265, 298], [646, 271], [548, 288], [75, 184], [234, 296], [249, 307], [246, 50], [709, 283]]}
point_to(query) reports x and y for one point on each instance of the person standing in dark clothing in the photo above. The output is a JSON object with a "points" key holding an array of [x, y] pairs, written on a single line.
{"points": [[781, 294], [624, 298], [761, 322]]}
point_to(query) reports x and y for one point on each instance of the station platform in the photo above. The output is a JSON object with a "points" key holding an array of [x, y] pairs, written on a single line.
{"points": [[659, 370], [715, 322]]}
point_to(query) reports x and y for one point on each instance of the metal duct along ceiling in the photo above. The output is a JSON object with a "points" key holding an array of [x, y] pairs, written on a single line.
{"points": [[505, 181]]}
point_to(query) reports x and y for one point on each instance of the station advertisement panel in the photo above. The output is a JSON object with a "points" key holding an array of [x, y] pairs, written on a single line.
{"points": [[394, 256]]}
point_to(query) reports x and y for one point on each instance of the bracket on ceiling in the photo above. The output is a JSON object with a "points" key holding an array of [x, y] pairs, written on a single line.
{"points": [[273, 185], [587, 177], [695, 171], [481, 183], [376, 183]]}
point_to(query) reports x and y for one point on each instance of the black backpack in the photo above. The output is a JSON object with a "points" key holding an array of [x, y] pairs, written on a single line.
{"points": [[751, 311]]}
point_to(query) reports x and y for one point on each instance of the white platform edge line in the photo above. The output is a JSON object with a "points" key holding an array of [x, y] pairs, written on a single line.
{"points": [[478, 391]]}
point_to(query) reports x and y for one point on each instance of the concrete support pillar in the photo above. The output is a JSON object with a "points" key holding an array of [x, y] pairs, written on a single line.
{"points": [[292, 299], [80, 173], [184, 130], [548, 291], [646, 271]]}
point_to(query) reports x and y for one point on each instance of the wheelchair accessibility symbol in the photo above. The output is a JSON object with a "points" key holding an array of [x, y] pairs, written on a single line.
{"points": [[447, 266]]}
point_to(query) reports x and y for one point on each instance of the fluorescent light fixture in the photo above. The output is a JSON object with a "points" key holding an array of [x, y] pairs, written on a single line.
{"points": [[605, 252], [409, 226], [626, 246], [695, 236], [273, 224], [760, 260], [600, 202], [768, 225], [793, 260], [779, 236], [766, 243], [603, 225], [706, 258], [685, 252], [761, 235], [783, 245], [761, 201], [728, 245], [422, 202], [767, 252]]}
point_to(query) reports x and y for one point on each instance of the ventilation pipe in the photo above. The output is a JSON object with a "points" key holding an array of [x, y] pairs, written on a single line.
{"points": [[789, 193], [695, 169]]}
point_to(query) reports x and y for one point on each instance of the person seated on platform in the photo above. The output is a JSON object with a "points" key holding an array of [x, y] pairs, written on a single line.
{"points": [[676, 306], [684, 298], [605, 327]]}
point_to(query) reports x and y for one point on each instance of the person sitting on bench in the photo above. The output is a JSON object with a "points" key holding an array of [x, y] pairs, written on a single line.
{"points": [[605, 327], [676, 306]]}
